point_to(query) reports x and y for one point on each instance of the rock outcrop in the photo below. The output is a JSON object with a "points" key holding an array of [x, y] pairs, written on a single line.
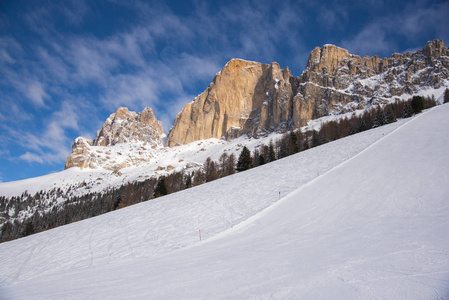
{"points": [[122, 127], [126, 126], [80, 151], [253, 98], [245, 97]]}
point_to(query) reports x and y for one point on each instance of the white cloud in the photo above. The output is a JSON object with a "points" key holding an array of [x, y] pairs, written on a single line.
{"points": [[53, 144], [423, 20], [74, 11], [131, 90], [371, 40], [414, 23], [31, 157], [9, 47], [35, 92]]}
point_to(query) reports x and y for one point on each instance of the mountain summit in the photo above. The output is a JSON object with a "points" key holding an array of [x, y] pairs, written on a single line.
{"points": [[121, 127], [244, 98]]}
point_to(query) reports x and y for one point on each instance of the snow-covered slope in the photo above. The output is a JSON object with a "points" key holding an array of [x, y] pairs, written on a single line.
{"points": [[352, 223]]}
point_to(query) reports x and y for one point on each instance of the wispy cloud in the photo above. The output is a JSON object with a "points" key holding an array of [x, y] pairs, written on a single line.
{"points": [[371, 40], [414, 23], [52, 145], [31, 157], [40, 17], [35, 92]]}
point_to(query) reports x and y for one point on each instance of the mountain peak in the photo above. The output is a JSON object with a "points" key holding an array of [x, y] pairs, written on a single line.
{"points": [[121, 127], [328, 56], [242, 99], [127, 126], [435, 48]]}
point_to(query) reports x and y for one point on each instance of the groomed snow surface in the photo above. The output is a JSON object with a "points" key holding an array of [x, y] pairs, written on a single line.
{"points": [[366, 217]]}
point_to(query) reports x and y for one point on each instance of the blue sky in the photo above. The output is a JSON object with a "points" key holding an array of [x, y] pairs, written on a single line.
{"points": [[65, 66]]}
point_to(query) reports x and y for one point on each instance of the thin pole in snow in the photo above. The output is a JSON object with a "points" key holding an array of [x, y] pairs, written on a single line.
{"points": [[279, 195]]}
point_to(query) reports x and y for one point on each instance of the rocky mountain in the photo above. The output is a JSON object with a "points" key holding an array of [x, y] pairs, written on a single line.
{"points": [[245, 97], [254, 99], [142, 130]]}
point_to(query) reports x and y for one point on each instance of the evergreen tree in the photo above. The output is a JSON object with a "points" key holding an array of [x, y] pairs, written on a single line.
{"points": [[222, 161], [161, 188], [199, 178], [446, 96], [389, 115], [417, 104], [210, 170], [255, 156], [245, 161], [188, 180], [117, 201], [29, 228], [283, 147], [408, 111], [271, 152], [293, 146], [230, 165]]}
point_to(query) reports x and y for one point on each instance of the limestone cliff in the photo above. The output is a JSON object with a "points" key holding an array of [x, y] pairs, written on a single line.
{"points": [[253, 98], [244, 98], [122, 127]]}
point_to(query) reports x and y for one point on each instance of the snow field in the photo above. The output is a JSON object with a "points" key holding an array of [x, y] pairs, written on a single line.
{"points": [[358, 219]]}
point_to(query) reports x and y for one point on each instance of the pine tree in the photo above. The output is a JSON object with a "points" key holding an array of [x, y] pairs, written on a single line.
{"points": [[188, 180], [417, 104], [446, 96], [29, 228], [293, 146], [222, 164], [210, 170], [389, 115], [245, 161], [255, 156], [408, 111], [271, 152], [199, 178], [230, 165], [161, 188], [283, 147]]}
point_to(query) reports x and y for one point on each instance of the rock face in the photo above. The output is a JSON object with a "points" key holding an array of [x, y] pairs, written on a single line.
{"points": [[253, 98], [126, 126], [245, 97], [122, 127], [80, 150]]}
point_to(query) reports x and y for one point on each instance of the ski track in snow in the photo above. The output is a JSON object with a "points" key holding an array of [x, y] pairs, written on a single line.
{"points": [[365, 217]]}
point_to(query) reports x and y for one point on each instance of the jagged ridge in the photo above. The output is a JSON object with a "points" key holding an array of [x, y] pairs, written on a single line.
{"points": [[253, 98]]}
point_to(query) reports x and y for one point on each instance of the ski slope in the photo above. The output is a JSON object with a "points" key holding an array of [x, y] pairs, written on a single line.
{"points": [[365, 217]]}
